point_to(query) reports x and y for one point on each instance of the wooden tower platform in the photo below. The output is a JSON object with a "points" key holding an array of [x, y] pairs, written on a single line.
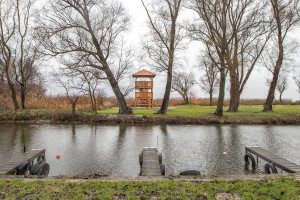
{"points": [[143, 88]]}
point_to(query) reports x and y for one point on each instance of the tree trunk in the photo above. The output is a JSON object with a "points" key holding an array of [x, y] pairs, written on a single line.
{"points": [[14, 96], [280, 97], [164, 106], [12, 90], [23, 95], [186, 99], [269, 101], [219, 110], [73, 108], [95, 103], [92, 100], [210, 97], [234, 92], [123, 108], [234, 78]]}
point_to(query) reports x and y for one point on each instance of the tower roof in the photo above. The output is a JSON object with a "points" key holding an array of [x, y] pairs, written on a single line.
{"points": [[144, 73]]}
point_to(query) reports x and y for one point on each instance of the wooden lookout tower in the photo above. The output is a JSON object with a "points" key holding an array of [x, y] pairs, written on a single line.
{"points": [[143, 88]]}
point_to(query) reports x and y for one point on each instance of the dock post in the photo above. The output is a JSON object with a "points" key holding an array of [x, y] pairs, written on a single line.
{"points": [[24, 134]]}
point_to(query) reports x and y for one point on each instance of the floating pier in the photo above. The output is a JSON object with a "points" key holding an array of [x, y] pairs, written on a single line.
{"points": [[272, 159], [151, 162], [12, 166]]}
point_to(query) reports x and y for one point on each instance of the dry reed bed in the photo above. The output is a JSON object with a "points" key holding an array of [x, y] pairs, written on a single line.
{"points": [[40, 101]]}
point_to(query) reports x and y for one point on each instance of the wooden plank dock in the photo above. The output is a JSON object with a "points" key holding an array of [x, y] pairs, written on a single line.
{"points": [[13, 164], [274, 159], [151, 166]]}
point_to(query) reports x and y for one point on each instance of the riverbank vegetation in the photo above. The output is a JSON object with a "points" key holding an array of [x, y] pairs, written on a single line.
{"points": [[183, 114], [246, 111], [38, 100], [269, 188]]}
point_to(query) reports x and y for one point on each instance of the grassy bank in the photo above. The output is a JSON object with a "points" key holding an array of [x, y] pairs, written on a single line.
{"points": [[270, 188], [207, 111], [283, 114]]}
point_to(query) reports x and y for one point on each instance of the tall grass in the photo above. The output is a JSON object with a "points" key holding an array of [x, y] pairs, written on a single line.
{"points": [[41, 101]]}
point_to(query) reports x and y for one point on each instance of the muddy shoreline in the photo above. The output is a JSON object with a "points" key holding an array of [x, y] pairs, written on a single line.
{"points": [[140, 119], [204, 178]]}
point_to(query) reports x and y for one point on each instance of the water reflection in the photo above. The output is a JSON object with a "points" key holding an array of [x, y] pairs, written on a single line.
{"points": [[113, 150]]}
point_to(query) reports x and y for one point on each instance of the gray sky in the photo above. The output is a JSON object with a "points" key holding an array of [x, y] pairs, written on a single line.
{"points": [[255, 87]]}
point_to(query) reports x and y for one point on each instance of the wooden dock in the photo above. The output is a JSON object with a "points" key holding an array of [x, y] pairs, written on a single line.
{"points": [[277, 161], [151, 166], [11, 166]]}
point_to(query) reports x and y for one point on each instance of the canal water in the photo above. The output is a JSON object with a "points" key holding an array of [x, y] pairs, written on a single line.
{"points": [[114, 149]]}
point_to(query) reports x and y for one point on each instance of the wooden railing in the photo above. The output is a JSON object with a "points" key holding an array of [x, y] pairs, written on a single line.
{"points": [[143, 84], [144, 95], [144, 103]]}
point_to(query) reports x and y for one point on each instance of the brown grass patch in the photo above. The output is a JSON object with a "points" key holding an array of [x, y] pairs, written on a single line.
{"points": [[41, 101]]}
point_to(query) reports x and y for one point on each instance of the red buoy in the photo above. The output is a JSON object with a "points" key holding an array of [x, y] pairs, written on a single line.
{"points": [[57, 156]]}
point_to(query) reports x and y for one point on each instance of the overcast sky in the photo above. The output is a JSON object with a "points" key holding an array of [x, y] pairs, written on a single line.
{"points": [[255, 87]]}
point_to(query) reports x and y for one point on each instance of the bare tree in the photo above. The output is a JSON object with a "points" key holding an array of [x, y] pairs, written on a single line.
{"points": [[250, 36], [71, 86], [26, 50], [8, 28], [87, 32], [182, 83], [88, 82], [211, 27], [269, 59], [282, 85], [163, 39], [209, 81], [285, 17], [234, 37], [91, 78], [19, 48]]}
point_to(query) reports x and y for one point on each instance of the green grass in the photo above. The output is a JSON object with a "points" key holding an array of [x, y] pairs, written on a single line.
{"points": [[275, 188], [207, 111]]}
